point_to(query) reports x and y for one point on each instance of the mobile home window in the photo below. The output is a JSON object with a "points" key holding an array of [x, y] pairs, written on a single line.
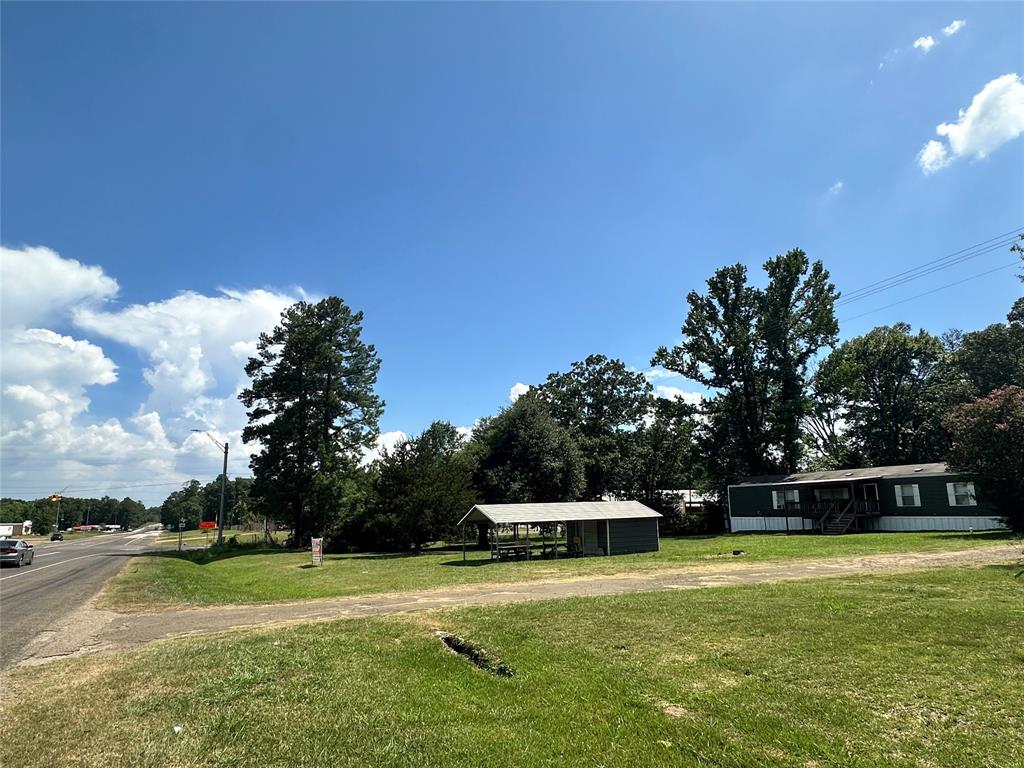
{"points": [[832, 494], [961, 494], [908, 496], [782, 499]]}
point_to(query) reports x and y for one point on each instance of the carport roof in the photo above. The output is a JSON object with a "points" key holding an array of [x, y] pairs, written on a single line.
{"points": [[558, 512]]}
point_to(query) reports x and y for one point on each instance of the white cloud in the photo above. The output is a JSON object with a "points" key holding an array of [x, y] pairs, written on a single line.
{"points": [[193, 342], [925, 43], [657, 372], [37, 285], [675, 393], [518, 389], [954, 26], [195, 346], [994, 117], [933, 157], [836, 188], [386, 441]]}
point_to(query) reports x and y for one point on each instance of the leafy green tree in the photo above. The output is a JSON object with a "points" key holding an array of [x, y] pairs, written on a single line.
{"points": [[659, 455], [885, 379], [184, 504], [424, 486], [599, 401], [993, 357], [753, 347], [524, 455], [312, 407], [988, 447], [827, 442]]}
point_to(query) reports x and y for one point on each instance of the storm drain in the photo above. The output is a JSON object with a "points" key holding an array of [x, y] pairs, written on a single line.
{"points": [[476, 654]]}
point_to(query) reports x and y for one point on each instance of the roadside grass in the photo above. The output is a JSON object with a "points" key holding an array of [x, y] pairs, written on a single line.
{"points": [[260, 575], [909, 670]]}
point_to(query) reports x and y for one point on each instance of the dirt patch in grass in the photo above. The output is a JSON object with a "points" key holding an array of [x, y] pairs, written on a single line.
{"points": [[476, 654]]}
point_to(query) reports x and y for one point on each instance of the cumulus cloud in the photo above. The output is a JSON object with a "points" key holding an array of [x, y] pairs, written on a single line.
{"points": [[933, 157], [954, 26], [193, 342], [836, 188], [518, 389], [37, 285], [994, 117], [657, 372], [675, 393], [925, 43], [386, 441], [194, 347]]}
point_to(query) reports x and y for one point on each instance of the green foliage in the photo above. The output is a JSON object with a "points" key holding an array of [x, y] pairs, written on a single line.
{"points": [[658, 455], [885, 381], [422, 487], [127, 513], [988, 447], [196, 502], [599, 401], [991, 358], [753, 347], [312, 407], [524, 455]]}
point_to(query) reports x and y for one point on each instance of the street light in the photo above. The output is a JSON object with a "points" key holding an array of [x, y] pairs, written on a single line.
{"points": [[223, 484]]}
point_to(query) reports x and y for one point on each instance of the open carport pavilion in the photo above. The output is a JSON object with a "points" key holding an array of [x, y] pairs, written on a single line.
{"points": [[577, 528]]}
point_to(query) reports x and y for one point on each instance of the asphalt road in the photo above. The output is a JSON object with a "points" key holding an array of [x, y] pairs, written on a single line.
{"points": [[63, 576]]}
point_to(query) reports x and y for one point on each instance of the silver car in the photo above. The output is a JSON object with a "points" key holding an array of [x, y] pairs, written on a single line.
{"points": [[15, 551]]}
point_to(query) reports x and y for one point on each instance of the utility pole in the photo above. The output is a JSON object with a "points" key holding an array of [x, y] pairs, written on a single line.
{"points": [[223, 484], [223, 488], [57, 497]]}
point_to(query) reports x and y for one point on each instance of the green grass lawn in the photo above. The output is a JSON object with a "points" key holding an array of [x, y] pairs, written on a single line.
{"points": [[915, 670], [167, 580]]}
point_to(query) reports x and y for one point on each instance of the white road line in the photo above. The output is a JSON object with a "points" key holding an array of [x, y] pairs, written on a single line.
{"points": [[54, 565], [44, 567]]}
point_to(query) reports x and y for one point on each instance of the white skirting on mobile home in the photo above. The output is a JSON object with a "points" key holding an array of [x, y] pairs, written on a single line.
{"points": [[881, 523]]}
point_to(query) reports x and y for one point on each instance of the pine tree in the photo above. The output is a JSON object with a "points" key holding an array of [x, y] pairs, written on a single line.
{"points": [[312, 408]]}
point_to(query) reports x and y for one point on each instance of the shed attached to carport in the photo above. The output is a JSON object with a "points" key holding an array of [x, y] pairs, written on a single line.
{"points": [[590, 527]]}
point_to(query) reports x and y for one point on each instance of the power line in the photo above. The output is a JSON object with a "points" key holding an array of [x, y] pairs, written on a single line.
{"points": [[73, 489], [926, 293], [936, 265]]}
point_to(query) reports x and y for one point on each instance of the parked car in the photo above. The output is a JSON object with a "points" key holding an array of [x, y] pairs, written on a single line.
{"points": [[57, 536], [15, 551]]}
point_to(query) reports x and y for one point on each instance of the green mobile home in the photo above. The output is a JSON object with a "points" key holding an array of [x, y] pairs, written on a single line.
{"points": [[911, 497]]}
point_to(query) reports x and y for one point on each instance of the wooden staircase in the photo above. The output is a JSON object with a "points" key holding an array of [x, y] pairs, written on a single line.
{"points": [[839, 520]]}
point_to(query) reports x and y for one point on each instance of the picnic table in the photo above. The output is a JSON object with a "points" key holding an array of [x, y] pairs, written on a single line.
{"points": [[513, 549]]}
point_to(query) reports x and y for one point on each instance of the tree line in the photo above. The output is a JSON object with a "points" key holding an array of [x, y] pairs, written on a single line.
{"points": [[107, 510], [783, 396]]}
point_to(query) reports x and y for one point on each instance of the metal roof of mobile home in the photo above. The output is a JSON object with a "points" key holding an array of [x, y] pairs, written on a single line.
{"points": [[840, 475], [557, 512]]}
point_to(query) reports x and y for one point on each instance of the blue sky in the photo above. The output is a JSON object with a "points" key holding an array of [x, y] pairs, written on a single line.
{"points": [[502, 189]]}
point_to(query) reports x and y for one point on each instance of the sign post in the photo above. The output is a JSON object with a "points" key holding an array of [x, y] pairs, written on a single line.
{"points": [[317, 546], [181, 527]]}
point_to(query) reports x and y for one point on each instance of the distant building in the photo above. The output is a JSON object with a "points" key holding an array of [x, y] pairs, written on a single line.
{"points": [[911, 497], [12, 530]]}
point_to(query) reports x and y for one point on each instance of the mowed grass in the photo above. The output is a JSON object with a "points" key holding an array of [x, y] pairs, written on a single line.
{"points": [[169, 580], [911, 670]]}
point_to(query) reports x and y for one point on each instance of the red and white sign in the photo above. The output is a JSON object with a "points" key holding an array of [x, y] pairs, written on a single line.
{"points": [[207, 524], [317, 545]]}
